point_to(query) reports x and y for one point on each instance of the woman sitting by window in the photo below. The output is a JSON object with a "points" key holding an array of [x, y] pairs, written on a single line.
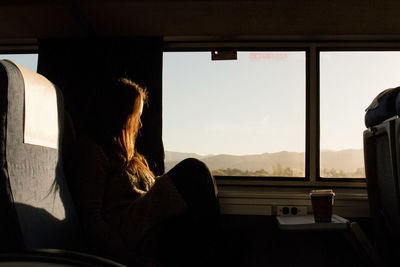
{"points": [[128, 214]]}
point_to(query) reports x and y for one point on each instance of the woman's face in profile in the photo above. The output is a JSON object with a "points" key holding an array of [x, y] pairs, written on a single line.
{"points": [[141, 107], [140, 113]]}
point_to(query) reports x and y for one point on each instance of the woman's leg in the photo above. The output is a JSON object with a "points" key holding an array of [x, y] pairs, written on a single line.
{"points": [[197, 186], [194, 235]]}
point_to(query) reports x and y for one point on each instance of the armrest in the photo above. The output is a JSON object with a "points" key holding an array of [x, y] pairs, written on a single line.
{"points": [[54, 257]]}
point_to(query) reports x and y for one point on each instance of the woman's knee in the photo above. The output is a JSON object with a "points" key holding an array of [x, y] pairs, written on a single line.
{"points": [[190, 167], [190, 174], [194, 164]]}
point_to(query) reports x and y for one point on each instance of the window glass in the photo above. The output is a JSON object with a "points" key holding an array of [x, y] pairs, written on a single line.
{"points": [[243, 117], [349, 81], [28, 61]]}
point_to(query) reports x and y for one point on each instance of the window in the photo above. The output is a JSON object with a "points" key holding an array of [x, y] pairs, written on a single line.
{"points": [[28, 61], [349, 80], [244, 117], [304, 101]]}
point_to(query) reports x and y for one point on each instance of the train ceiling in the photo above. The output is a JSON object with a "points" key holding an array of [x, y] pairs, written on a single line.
{"points": [[197, 19]]}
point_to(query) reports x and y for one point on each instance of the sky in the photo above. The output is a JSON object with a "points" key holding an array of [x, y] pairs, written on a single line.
{"points": [[257, 103], [29, 61], [251, 105], [349, 81]]}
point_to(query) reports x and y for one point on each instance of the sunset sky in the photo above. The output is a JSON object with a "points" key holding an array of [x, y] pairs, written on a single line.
{"points": [[251, 105], [257, 103]]}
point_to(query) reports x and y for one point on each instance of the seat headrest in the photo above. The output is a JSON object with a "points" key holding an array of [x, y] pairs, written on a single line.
{"points": [[40, 113]]}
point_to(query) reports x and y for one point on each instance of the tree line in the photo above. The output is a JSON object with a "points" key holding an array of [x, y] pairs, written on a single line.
{"points": [[277, 170], [280, 171]]}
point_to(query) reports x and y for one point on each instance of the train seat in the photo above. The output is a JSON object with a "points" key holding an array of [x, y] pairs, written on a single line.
{"points": [[384, 106], [382, 166], [37, 211]]}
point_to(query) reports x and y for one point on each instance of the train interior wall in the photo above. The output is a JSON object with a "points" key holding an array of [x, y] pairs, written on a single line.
{"points": [[257, 241]]}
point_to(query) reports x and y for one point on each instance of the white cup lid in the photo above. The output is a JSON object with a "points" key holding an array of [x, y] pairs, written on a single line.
{"points": [[322, 192]]}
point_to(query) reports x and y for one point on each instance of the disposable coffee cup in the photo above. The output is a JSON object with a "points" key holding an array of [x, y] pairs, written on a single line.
{"points": [[322, 202]]}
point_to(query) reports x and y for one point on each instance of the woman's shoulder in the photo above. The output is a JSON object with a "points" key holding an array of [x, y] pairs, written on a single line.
{"points": [[90, 166], [84, 142], [89, 149]]}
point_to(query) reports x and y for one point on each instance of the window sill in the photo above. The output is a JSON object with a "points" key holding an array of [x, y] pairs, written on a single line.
{"points": [[349, 202]]}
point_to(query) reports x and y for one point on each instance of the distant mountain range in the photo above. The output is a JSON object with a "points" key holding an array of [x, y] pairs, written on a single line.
{"points": [[348, 160]]}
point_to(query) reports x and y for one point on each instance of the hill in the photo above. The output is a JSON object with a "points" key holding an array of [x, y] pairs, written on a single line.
{"points": [[348, 160]]}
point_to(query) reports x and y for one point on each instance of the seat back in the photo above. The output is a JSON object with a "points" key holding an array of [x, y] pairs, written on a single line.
{"points": [[36, 208], [381, 155]]}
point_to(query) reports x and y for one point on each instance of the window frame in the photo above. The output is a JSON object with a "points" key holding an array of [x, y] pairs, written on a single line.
{"points": [[312, 49], [19, 49], [261, 179], [312, 151], [343, 48]]}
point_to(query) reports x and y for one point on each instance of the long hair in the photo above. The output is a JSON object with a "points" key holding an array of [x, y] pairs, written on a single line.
{"points": [[118, 122], [126, 139]]}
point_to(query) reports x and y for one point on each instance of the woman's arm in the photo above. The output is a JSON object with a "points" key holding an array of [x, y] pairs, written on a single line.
{"points": [[92, 171]]}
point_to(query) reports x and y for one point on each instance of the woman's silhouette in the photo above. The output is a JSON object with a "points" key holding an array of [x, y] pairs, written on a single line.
{"points": [[127, 213]]}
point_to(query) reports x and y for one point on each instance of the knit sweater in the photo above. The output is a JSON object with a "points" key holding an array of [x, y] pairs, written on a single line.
{"points": [[116, 212]]}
